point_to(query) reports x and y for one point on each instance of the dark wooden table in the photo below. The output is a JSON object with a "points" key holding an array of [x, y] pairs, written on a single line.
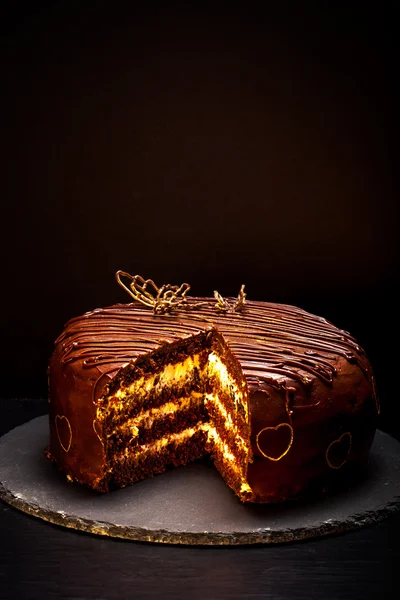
{"points": [[39, 560]]}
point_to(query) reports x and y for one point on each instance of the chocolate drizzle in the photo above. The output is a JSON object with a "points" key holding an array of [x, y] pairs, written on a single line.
{"points": [[274, 343]]}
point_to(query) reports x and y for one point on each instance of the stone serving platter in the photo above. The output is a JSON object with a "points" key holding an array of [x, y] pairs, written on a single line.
{"points": [[189, 505]]}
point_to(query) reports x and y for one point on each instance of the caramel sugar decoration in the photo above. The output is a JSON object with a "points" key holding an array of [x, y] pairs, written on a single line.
{"points": [[241, 299], [169, 297], [223, 305], [162, 300]]}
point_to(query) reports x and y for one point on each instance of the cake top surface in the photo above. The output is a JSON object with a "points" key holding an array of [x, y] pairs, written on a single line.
{"points": [[273, 342]]}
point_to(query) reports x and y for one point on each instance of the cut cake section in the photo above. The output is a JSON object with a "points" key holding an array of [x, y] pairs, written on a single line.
{"points": [[174, 405]]}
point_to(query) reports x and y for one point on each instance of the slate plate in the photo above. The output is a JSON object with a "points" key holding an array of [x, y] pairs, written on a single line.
{"points": [[188, 505]]}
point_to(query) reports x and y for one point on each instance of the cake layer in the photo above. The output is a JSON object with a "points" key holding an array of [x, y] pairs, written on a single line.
{"points": [[197, 407], [157, 402], [233, 469], [218, 412], [171, 451], [146, 419], [160, 427], [208, 440], [152, 391], [229, 436]]}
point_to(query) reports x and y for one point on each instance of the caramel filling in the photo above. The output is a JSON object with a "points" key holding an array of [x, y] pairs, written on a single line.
{"points": [[177, 375], [148, 417], [213, 438]]}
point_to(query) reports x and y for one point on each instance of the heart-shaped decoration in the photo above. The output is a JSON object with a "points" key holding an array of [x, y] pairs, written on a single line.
{"points": [[275, 441], [64, 432], [338, 451], [95, 430]]}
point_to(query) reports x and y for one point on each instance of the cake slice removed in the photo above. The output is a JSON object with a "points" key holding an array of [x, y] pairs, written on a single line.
{"points": [[184, 400]]}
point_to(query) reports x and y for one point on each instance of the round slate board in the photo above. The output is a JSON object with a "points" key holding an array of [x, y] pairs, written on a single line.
{"points": [[188, 505]]}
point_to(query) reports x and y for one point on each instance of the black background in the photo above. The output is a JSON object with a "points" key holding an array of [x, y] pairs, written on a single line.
{"points": [[208, 145]]}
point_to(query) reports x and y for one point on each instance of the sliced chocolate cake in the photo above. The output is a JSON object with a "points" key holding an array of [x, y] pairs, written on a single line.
{"points": [[283, 401]]}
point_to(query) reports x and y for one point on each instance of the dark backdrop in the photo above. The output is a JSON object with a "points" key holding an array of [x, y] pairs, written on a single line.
{"points": [[217, 147]]}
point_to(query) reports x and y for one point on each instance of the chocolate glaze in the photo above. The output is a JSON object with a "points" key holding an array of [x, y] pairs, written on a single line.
{"points": [[300, 370]]}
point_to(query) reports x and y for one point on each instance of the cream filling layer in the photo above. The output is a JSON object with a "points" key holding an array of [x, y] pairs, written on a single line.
{"points": [[148, 417], [217, 367], [245, 488], [157, 445], [176, 373], [229, 424], [214, 438]]}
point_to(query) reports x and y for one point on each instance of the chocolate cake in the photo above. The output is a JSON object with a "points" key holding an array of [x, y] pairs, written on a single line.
{"points": [[282, 401]]}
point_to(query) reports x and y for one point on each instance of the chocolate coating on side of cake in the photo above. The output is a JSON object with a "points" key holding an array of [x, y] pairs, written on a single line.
{"points": [[312, 398]]}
